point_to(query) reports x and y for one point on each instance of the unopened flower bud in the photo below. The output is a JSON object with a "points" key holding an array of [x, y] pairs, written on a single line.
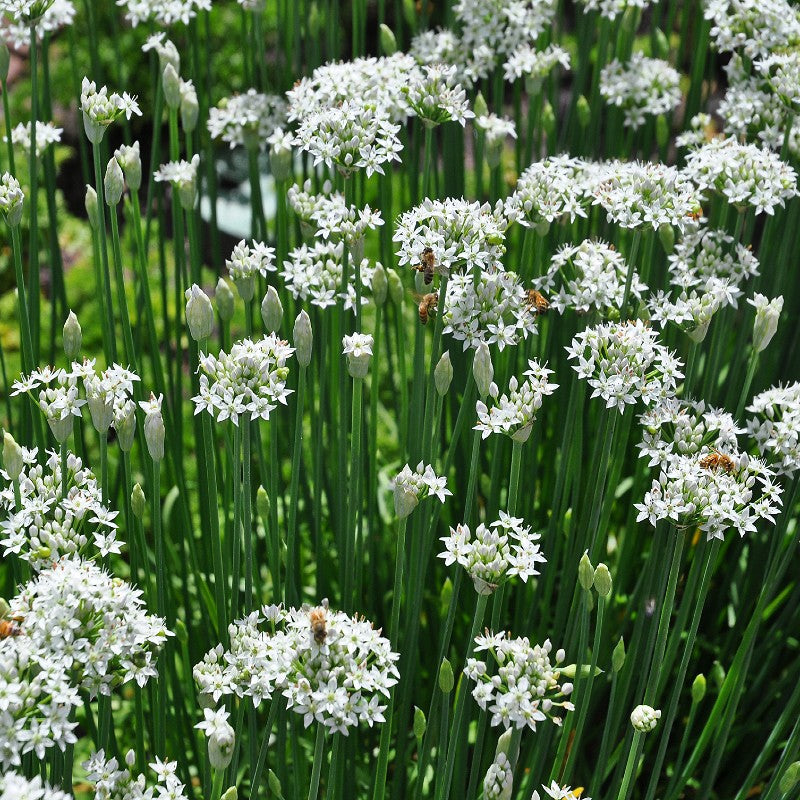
{"points": [[395, 287], [114, 183], [271, 310], [446, 679], [717, 675], [262, 502], [281, 159], [602, 580], [13, 461], [790, 778], [130, 160], [92, 210], [231, 793], [171, 84], [645, 718], [154, 431], [479, 106], [138, 501], [585, 572], [274, 783], [225, 300], [768, 312], [443, 374], [190, 108], [199, 313], [220, 747], [168, 54], [404, 502], [125, 425], [618, 656], [548, 121], [358, 349], [504, 742], [420, 723], [11, 199], [303, 338], [584, 111], [72, 337], [482, 369], [388, 40], [699, 689], [380, 285], [666, 233]]}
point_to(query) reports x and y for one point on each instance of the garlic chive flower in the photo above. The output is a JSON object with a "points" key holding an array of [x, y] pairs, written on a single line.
{"points": [[768, 314], [499, 780], [248, 382], [46, 134], [247, 120], [164, 13], [338, 673], [495, 553], [526, 689], [690, 310], [610, 9], [534, 65], [11, 199], [514, 413], [556, 792], [624, 362], [154, 431], [246, 263], [640, 87], [27, 11], [754, 27], [100, 109], [350, 137], [782, 74], [462, 235], [435, 47], [494, 309], [58, 398], [113, 781], [645, 718], [643, 194], [701, 130], [17, 787], [96, 624], [410, 486], [165, 50], [435, 97], [315, 274], [358, 349], [745, 174], [714, 491], [220, 735], [47, 525], [589, 277], [775, 428], [15, 27], [495, 130], [182, 175]]}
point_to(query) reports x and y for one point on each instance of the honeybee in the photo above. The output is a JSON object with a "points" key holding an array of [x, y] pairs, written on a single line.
{"points": [[319, 625], [535, 301], [715, 460], [427, 265], [427, 303], [9, 628]]}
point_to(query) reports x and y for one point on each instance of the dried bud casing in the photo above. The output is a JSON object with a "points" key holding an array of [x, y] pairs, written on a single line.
{"points": [[303, 339], [72, 337], [271, 310]]}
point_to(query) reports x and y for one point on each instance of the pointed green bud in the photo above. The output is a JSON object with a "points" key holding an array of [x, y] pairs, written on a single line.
{"points": [[445, 596], [662, 130], [92, 211], [420, 723], [549, 121], [504, 743], [388, 40], [699, 689], [410, 13], [271, 310], [380, 285], [230, 794], [602, 580], [190, 108], [171, 84], [618, 656], [262, 502], [584, 111], [645, 718], [482, 369], [168, 54], [446, 679], [13, 461], [571, 670], [72, 337], [717, 675], [479, 106], [138, 501], [443, 374], [585, 572], [661, 49], [114, 183], [199, 313], [790, 778], [274, 783], [225, 300], [666, 233], [395, 287]]}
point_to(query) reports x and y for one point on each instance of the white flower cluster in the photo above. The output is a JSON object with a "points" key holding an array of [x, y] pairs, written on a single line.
{"points": [[46, 134], [333, 669], [691, 310], [496, 129], [782, 73], [435, 97], [756, 27], [16, 787], [246, 263], [45, 526], [645, 718], [315, 274], [113, 781], [378, 83], [350, 136], [248, 119], [495, 553], [462, 235], [640, 86], [526, 688], [247, 382], [410, 486], [182, 176], [683, 427], [16, 30], [358, 349], [557, 792], [514, 413], [100, 109], [435, 47], [495, 310], [96, 626], [623, 362], [534, 65], [643, 193], [329, 216], [713, 491], [745, 174], [701, 130], [499, 780], [776, 426], [11, 199], [162, 12], [609, 9], [589, 277]]}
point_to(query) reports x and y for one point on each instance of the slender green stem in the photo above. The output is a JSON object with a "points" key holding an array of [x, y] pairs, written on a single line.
{"points": [[316, 767], [293, 576]]}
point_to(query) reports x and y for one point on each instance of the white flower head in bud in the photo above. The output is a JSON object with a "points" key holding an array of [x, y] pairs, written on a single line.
{"points": [[499, 781], [247, 120], [190, 107], [358, 349], [163, 14], [114, 183], [130, 160], [100, 109], [11, 199], [154, 431], [182, 175], [220, 735], [271, 310], [768, 313], [171, 84], [246, 263], [645, 718], [72, 336], [411, 486]]}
